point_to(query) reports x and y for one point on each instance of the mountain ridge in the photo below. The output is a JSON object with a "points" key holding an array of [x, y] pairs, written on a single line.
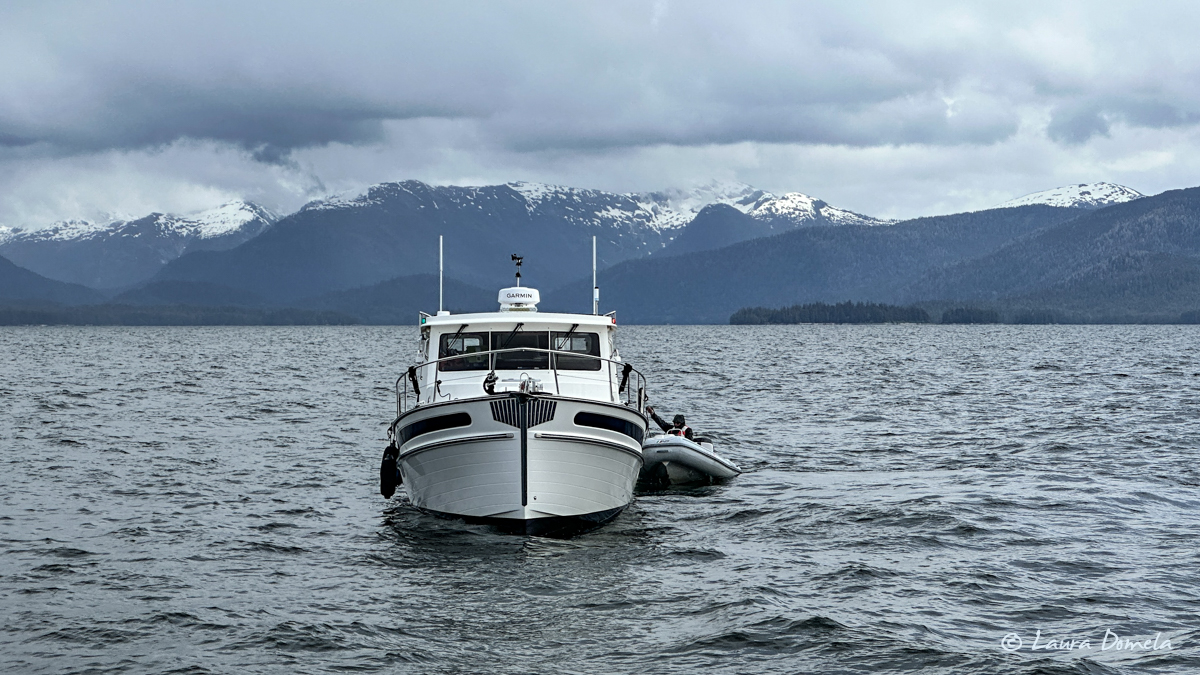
{"points": [[122, 253], [1081, 195], [813, 264], [20, 284], [366, 237], [1125, 239]]}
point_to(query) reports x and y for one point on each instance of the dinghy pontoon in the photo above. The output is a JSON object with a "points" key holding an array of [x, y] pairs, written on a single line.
{"points": [[674, 460]]}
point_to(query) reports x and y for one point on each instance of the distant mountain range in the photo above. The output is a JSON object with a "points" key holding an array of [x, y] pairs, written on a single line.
{"points": [[1131, 261], [126, 252], [816, 264], [391, 230], [1083, 251], [1138, 258]]}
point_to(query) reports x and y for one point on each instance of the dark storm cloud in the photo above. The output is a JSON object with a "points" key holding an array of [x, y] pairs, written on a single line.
{"points": [[155, 115], [272, 78], [120, 113], [1078, 122], [90, 77], [174, 105]]}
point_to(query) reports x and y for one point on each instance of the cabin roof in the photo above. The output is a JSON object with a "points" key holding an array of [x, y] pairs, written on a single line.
{"points": [[481, 319]]}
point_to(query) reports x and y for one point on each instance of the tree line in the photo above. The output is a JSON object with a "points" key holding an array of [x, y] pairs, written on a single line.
{"points": [[870, 312], [820, 312]]}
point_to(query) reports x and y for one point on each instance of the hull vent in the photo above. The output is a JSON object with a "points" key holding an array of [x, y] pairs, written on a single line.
{"points": [[508, 411], [540, 411]]}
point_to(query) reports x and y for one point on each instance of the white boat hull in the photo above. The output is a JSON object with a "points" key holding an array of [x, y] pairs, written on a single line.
{"points": [[521, 462]]}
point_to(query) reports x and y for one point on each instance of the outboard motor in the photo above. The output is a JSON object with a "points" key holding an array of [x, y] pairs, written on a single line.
{"points": [[389, 472]]}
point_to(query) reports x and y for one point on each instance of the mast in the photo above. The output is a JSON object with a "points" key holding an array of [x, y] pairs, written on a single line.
{"points": [[595, 287], [440, 271]]}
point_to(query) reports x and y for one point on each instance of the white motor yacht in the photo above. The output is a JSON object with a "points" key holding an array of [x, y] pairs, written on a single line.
{"points": [[518, 418]]}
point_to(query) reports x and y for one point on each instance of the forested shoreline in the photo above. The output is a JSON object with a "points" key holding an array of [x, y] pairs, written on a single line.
{"points": [[869, 312]]}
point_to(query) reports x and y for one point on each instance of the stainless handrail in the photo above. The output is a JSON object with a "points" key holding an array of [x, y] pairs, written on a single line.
{"points": [[630, 399]]}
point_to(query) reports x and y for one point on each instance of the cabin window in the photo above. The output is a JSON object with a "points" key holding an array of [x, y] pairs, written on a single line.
{"points": [[578, 343], [531, 360], [464, 343]]}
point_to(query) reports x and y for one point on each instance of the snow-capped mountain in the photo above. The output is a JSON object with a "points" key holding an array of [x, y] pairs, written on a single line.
{"points": [[364, 237], [223, 220], [637, 223], [665, 211], [798, 209], [801, 210], [710, 211], [675, 208], [1082, 196], [628, 226], [124, 252]]}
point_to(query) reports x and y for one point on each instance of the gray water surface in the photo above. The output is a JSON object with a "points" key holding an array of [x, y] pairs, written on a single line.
{"points": [[205, 500]]}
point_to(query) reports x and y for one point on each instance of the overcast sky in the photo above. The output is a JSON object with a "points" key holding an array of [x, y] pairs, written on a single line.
{"points": [[889, 109]]}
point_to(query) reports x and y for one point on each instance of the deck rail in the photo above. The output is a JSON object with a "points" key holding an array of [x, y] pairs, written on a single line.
{"points": [[634, 396]]}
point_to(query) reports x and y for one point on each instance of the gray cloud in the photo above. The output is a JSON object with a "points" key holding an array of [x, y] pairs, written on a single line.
{"points": [[319, 94], [532, 76], [1077, 123]]}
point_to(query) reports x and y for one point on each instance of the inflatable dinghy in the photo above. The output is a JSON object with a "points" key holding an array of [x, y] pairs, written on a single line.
{"points": [[676, 460]]}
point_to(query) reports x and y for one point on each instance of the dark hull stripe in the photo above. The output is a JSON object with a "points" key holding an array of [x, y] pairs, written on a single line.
{"points": [[524, 455]]}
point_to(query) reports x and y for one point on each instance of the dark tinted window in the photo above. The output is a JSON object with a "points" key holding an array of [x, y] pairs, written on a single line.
{"points": [[432, 424], [465, 343], [521, 360], [587, 419], [579, 343]]}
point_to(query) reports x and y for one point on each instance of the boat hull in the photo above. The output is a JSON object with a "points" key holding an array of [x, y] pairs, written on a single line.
{"points": [[553, 526], [515, 459]]}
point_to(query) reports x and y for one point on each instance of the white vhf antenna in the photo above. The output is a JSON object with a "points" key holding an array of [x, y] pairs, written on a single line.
{"points": [[595, 288], [440, 271]]}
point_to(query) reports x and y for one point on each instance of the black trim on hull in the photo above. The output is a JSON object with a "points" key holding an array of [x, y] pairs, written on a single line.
{"points": [[524, 406], [558, 527]]}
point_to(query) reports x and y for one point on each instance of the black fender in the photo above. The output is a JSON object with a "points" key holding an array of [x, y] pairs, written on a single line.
{"points": [[389, 472]]}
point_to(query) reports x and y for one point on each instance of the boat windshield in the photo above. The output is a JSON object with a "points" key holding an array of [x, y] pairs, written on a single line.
{"points": [[579, 343], [464, 343], [521, 360]]}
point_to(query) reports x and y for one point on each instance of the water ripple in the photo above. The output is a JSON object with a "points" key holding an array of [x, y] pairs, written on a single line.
{"points": [[203, 500]]}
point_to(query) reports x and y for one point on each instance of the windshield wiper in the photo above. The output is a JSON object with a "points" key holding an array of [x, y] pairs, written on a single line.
{"points": [[566, 339], [450, 344], [510, 336]]}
